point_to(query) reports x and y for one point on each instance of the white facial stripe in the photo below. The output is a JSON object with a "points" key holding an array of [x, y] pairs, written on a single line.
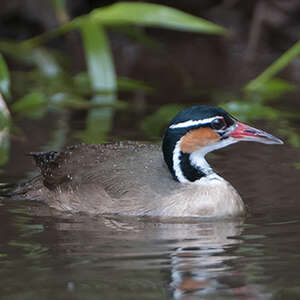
{"points": [[176, 164], [193, 123]]}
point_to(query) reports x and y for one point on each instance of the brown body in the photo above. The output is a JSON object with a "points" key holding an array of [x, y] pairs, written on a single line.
{"points": [[127, 179]]}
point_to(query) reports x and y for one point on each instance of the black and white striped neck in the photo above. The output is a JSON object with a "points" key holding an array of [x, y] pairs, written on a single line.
{"points": [[189, 167]]}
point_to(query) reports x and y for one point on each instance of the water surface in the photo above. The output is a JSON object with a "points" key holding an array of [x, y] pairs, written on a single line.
{"points": [[44, 255]]}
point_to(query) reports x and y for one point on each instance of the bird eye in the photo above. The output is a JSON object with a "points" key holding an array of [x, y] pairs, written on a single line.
{"points": [[218, 124]]}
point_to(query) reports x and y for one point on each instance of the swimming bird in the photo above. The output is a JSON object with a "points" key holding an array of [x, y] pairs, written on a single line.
{"points": [[131, 178]]}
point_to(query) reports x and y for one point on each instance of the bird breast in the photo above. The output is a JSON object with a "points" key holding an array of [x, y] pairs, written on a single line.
{"points": [[211, 196]]}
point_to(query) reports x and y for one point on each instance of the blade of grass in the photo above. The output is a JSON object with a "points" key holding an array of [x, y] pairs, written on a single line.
{"points": [[145, 14], [274, 68], [101, 68], [4, 146], [4, 131], [33, 105], [60, 7], [4, 114], [4, 78], [42, 38], [102, 75], [149, 14], [45, 61]]}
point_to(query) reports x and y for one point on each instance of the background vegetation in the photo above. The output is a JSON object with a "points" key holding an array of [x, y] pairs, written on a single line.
{"points": [[70, 72]]}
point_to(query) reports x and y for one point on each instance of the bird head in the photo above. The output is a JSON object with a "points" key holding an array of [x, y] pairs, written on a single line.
{"points": [[197, 130]]}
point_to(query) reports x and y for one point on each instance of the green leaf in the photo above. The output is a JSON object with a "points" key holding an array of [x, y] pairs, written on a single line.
{"points": [[274, 88], [4, 146], [4, 78], [297, 165], [102, 77], [82, 83], [3, 107], [45, 61], [4, 121], [4, 131], [251, 111], [32, 105], [127, 84], [148, 14], [274, 68], [132, 13], [60, 7], [98, 56], [4, 115]]}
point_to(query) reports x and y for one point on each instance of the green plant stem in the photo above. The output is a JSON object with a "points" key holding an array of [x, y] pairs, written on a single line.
{"points": [[37, 40], [274, 68]]}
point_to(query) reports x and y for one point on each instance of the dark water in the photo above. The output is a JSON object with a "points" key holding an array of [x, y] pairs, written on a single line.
{"points": [[85, 258], [49, 256]]}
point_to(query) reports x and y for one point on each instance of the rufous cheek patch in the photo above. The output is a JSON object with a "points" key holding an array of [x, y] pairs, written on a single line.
{"points": [[197, 139]]}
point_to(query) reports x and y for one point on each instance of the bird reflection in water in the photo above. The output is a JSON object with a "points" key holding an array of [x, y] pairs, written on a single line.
{"points": [[199, 262]]}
